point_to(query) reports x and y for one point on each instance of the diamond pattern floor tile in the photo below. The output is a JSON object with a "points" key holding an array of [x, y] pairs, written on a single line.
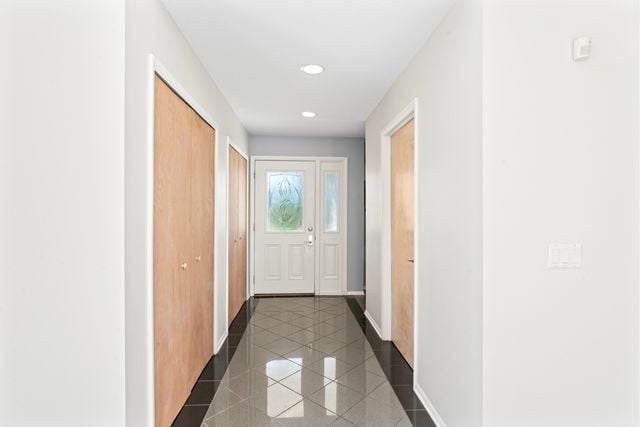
{"points": [[336, 398], [305, 361]]}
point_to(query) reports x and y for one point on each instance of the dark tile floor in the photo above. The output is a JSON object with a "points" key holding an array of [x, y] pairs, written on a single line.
{"points": [[395, 367], [202, 394], [327, 325]]}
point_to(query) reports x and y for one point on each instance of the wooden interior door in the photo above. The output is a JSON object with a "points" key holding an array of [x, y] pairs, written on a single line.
{"points": [[182, 250], [237, 232], [402, 238]]}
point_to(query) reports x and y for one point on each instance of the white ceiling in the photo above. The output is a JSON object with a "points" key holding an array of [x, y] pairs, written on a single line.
{"points": [[254, 49]]}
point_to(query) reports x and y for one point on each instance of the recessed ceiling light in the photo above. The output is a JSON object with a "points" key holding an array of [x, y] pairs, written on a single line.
{"points": [[308, 114], [312, 69]]}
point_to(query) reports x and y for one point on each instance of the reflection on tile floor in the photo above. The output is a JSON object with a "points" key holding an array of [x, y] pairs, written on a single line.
{"points": [[303, 361]]}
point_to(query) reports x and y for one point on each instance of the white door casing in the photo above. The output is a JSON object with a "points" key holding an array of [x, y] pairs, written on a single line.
{"points": [[285, 227]]}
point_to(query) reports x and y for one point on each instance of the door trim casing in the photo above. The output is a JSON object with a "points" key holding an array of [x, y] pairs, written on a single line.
{"points": [[404, 116], [344, 212]]}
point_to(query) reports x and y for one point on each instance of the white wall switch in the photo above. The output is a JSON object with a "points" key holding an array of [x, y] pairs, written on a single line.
{"points": [[565, 255]]}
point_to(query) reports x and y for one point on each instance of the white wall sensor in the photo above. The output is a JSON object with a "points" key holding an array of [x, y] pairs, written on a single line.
{"points": [[581, 48]]}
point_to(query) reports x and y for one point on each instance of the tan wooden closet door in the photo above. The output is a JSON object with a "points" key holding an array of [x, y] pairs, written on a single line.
{"points": [[202, 223], [182, 298], [233, 234], [237, 231], [402, 227]]}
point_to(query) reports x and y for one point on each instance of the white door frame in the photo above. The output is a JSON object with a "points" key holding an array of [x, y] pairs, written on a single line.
{"points": [[408, 113], [232, 144], [344, 212]]}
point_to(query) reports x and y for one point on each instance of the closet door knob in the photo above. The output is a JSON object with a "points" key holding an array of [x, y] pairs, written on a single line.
{"points": [[183, 266], [198, 258]]}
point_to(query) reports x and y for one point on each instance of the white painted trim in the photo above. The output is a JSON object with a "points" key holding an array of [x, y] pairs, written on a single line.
{"points": [[150, 354], [226, 247], [236, 147], [155, 67], [352, 293], [297, 158], [638, 235], [345, 213], [376, 327], [316, 253], [408, 113], [437, 419], [252, 224], [221, 341], [345, 224]]}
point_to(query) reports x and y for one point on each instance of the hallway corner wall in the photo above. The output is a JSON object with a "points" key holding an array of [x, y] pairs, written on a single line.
{"points": [[150, 29], [445, 76]]}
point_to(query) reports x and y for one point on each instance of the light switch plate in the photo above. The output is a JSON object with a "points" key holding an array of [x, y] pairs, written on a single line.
{"points": [[565, 255]]}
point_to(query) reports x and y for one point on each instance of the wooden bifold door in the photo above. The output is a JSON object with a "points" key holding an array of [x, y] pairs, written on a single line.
{"points": [[183, 202], [237, 232]]}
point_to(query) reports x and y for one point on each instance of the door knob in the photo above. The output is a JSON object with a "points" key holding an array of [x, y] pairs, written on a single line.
{"points": [[411, 261], [198, 258], [183, 266]]}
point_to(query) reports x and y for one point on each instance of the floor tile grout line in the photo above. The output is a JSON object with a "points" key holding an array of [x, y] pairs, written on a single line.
{"points": [[358, 313], [339, 327], [248, 309]]}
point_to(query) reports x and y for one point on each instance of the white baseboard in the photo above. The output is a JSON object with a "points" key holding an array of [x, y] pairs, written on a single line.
{"points": [[437, 419], [355, 292], [374, 324], [220, 342]]}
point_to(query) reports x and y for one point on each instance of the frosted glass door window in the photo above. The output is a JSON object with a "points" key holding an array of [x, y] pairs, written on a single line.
{"points": [[331, 201], [284, 201]]}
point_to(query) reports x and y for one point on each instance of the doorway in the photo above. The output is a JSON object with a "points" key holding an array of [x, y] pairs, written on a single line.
{"points": [[237, 245], [299, 225], [400, 182], [402, 232]]}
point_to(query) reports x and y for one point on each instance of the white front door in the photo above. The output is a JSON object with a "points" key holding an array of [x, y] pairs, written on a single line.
{"points": [[285, 197]]}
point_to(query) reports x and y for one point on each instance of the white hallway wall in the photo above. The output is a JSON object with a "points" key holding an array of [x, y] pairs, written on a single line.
{"points": [[446, 77], [151, 30], [558, 163], [62, 355], [561, 165]]}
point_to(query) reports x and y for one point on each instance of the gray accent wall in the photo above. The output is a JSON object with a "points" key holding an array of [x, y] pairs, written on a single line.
{"points": [[351, 148]]}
